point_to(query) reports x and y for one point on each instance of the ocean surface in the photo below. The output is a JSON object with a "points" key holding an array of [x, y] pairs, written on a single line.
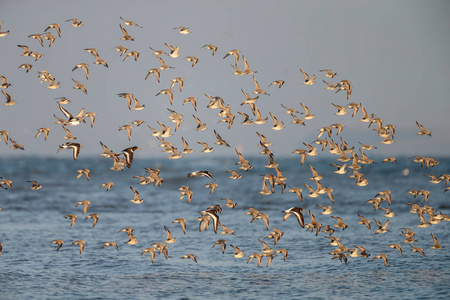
{"points": [[31, 268]]}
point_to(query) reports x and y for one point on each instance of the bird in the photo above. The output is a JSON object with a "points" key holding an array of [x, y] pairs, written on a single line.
{"points": [[364, 221], [85, 204], [222, 243], [423, 131], [210, 47], [129, 23], [44, 130], [308, 80], [297, 212], [126, 36], [193, 59], [136, 199], [58, 242], [174, 51], [75, 22], [169, 239], [9, 100], [238, 252], [258, 89], [74, 146], [108, 185], [183, 30], [81, 243], [83, 66], [200, 125], [79, 86], [191, 256], [308, 115], [127, 127], [235, 53], [329, 73], [34, 185], [436, 244], [182, 222], [201, 174], [27, 67], [128, 154], [113, 244], [71, 217], [381, 228], [85, 172], [396, 246], [279, 83], [93, 217], [383, 257]]}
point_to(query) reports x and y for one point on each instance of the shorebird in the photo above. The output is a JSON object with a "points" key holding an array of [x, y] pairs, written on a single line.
{"points": [[276, 124], [129, 23], [222, 243], [128, 154], [9, 100], [167, 92], [182, 222], [423, 131], [200, 125], [58, 242], [201, 174], [308, 80], [37, 36], [436, 244], [308, 115], [69, 135], [85, 204], [82, 172], [71, 217], [279, 83], [417, 249], [108, 185], [169, 239], [364, 221], [81, 243], [210, 47], [382, 228], [297, 212], [327, 210], [183, 30], [74, 146], [26, 67], [212, 214], [130, 54], [136, 199], [396, 246], [383, 257], [113, 244], [126, 36], [235, 53], [174, 51], [128, 129], [191, 256], [79, 86], [238, 252], [75, 22], [329, 73], [150, 250], [340, 223], [258, 256], [44, 130], [258, 89], [193, 59], [93, 217]]}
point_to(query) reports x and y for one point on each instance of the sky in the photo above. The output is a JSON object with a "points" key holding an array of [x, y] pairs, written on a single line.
{"points": [[394, 53]]}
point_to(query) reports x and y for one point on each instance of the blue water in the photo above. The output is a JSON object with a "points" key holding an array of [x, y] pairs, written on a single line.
{"points": [[32, 268]]}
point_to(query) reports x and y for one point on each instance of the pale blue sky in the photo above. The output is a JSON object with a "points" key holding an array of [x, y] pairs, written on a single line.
{"points": [[395, 53]]}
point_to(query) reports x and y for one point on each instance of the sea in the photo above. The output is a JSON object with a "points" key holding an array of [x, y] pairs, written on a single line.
{"points": [[31, 268]]}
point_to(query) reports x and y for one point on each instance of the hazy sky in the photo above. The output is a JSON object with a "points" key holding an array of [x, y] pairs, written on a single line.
{"points": [[395, 53]]}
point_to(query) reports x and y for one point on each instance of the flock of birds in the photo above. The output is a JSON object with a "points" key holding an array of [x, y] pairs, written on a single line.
{"points": [[349, 160]]}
